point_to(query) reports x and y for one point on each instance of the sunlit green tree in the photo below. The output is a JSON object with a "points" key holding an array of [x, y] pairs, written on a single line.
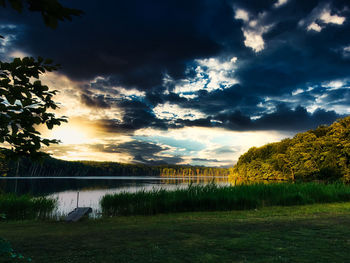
{"points": [[320, 154]]}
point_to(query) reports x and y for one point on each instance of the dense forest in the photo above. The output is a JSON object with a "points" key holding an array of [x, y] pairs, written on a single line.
{"points": [[320, 154], [53, 167]]}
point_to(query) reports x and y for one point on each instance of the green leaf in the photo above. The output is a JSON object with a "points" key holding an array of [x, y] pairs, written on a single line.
{"points": [[35, 100]]}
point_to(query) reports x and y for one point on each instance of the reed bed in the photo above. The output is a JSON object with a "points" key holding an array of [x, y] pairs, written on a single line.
{"points": [[212, 197], [14, 207]]}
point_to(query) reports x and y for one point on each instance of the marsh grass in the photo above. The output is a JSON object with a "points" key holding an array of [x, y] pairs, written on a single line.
{"points": [[212, 197], [26, 207]]}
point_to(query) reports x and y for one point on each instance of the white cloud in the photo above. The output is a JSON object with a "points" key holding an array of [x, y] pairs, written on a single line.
{"points": [[315, 27], [211, 74], [242, 14], [297, 91], [130, 92], [280, 3], [253, 29], [346, 52], [327, 18], [334, 84], [319, 17], [254, 40], [172, 111]]}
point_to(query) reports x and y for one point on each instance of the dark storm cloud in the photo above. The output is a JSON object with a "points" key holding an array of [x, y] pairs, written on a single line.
{"points": [[224, 150], [135, 41], [283, 119], [140, 151], [135, 44], [206, 160], [94, 101], [298, 119], [157, 160], [136, 115], [338, 96]]}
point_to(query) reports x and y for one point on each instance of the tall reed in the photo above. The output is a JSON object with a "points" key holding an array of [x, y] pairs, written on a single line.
{"points": [[26, 207], [212, 197]]}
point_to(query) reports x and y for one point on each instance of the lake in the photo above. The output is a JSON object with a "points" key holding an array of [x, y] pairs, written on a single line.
{"points": [[91, 189]]}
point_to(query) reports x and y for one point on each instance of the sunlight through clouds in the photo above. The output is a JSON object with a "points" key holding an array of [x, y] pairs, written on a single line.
{"points": [[211, 74], [215, 147], [194, 82]]}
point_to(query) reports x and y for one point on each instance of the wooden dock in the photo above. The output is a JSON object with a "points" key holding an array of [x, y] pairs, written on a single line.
{"points": [[78, 213]]}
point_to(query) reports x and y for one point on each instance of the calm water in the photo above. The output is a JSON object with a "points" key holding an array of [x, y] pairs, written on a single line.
{"points": [[91, 189]]}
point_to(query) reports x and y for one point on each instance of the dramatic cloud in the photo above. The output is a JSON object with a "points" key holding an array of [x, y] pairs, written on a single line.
{"points": [[168, 66], [253, 29], [320, 17], [141, 152]]}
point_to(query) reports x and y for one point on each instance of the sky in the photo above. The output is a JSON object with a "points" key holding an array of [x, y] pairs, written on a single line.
{"points": [[188, 81]]}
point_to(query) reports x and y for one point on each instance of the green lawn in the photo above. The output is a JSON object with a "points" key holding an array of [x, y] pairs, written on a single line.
{"points": [[311, 233]]}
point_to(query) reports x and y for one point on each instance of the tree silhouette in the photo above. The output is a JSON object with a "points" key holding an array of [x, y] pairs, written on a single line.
{"points": [[24, 101], [51, 10]]}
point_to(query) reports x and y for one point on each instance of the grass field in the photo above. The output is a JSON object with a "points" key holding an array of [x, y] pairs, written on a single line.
{"points": [[310, 233]]}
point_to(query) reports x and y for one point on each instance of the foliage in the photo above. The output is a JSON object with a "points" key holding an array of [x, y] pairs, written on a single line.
{"points": [[26, 207], [7, 253], [51, 10], [214, 198], [3, 165], [25, 102], [320, 154]]}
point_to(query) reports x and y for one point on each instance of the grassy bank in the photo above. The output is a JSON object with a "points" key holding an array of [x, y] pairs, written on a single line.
{"points": [[215, 198], [25, 207], [310, 233]]}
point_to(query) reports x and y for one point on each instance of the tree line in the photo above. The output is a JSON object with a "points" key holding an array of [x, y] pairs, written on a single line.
{"points": [[52, 167]]}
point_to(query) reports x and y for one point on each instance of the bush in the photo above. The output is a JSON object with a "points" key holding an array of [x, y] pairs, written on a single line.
{"points": [[212, 197], [7, 254]]}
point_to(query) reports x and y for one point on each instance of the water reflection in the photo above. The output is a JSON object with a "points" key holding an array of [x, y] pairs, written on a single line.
{"points": [[91, 189], [39, 186]]}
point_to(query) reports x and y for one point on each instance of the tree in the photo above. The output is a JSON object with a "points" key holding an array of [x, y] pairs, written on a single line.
{"points": [[24, 100], [320, 154], [51, 10]]}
